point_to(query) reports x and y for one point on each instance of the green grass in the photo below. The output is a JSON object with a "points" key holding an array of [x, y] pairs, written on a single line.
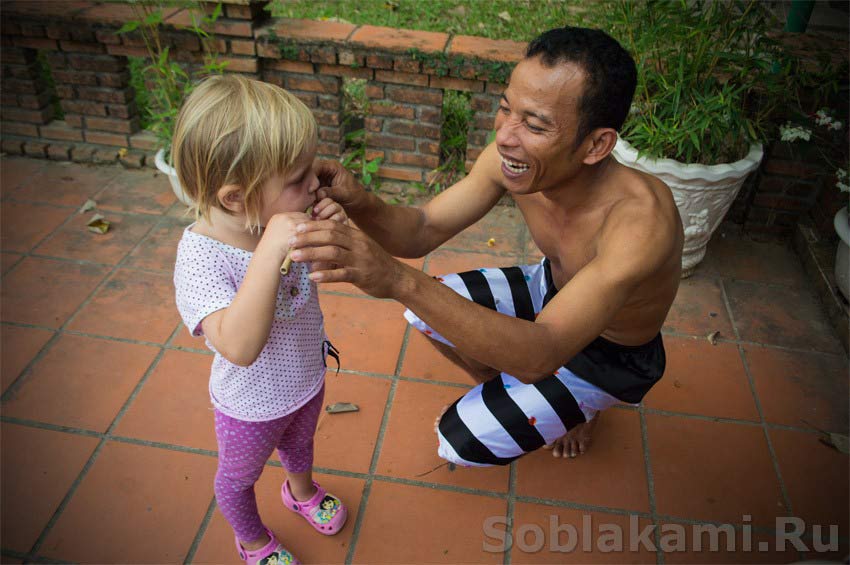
{"points": [[518, 20]]}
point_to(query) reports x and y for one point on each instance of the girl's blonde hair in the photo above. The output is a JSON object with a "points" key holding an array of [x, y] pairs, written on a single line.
{"points": [[240, 131]]}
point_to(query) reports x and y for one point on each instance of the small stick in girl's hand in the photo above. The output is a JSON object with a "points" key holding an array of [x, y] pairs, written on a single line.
{"points": [[284, 268]]}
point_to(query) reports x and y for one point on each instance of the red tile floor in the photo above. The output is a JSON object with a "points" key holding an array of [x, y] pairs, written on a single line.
{"points": [[108, 452]]}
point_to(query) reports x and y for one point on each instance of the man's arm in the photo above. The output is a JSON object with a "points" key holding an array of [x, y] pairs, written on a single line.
{"points": [[406, 231], [630, 249]]}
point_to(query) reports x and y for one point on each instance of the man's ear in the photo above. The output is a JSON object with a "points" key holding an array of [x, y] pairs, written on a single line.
{"points": [[230, 198], [602, 142]]}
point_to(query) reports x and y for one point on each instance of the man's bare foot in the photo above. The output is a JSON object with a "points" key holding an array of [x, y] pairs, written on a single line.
{"points": [[574, 442]]}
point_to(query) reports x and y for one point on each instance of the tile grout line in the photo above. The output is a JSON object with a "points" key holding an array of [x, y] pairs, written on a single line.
{"points": [[72, 490], [650, 480], [777, 471], [376, 453], [202, 529], [507, 557]]}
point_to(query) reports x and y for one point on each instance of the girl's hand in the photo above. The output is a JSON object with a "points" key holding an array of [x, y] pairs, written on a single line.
{"points": [[327, 209], [278, 231]]}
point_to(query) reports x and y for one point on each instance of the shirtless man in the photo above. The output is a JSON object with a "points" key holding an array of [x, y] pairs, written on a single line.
{"points": [[554, 343]]}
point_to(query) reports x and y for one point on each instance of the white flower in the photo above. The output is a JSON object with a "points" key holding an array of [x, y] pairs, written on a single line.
{"points": [[843, 187], [841, 174], [790, 132], [834, 125]]}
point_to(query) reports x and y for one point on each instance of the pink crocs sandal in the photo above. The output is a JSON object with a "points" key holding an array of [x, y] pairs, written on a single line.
{"points": [[272, 554], [324, 511]]}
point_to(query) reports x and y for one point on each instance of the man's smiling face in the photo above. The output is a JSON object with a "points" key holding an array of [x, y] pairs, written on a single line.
{"points": [[536, 125]]}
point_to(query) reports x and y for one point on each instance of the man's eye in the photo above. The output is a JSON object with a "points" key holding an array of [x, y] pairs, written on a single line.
{"points": [[534, 128], [505, 110]]}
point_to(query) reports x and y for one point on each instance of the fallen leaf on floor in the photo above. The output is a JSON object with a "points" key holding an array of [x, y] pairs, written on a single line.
{"points": [[340, 407], [122, 152], [839, 442], [491, 242], [98, 224], [89, 205], [712, 337], [505, 16], [677, 384], [392, 6], [459, 11]]}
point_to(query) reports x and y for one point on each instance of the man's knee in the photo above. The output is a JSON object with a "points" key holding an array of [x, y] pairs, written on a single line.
{"points": [[479, 372]]}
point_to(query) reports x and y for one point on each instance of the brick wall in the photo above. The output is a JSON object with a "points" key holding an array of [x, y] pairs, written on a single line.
{"points": [[406, 73]]}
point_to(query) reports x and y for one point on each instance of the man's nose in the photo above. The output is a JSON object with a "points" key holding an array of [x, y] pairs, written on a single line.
{"points": [[506, 134]]}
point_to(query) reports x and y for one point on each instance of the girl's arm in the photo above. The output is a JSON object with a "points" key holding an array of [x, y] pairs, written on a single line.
{"points": [[240, 331]]}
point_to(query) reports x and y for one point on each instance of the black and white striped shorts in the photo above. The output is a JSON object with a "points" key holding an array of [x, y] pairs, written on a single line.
{"points": [[503, 419]]}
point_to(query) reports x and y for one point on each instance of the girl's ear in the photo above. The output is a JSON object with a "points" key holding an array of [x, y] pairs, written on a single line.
{"points": [[230, 198]]}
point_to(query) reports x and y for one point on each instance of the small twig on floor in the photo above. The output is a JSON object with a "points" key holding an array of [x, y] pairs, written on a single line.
{"points": [[434, 469]]}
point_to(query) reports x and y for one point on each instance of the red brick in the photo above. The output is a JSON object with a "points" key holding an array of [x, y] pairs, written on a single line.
{"points": [[429, 114], [34, 101], [456, 84], [399, 173], [114, 80], [290, 66], [57, 31], [392, 110], [489, 49], [86, 107], [233, 27], [779, 202], [79, 47], [8, 99], [112, 125], [57, 60], [346, 57], [309, 100], [242, 47], [181, 41], [375, 91], [372, 154], [58, 129], [330, 134], [99, 63], [326, 118], [132, 159], [12, 146], [425, 161], [373, 124], [472, 153], [400, 39], [790, 168], [59, 152], [375, 140], [82, 153], [268, 50], [8, 27], [15, 128], [16, 55], [477, 138], [144, 140], [401, 78], [327, 85], [379, 61], [104, 156], [351, 72], [110, 95], [36, 43], [83, 34], [334, 149], [483, 103], [330, 102], [104, 138], [35, 148], [41, 116], [313, 30], [23, 72], [323, 55], [74, 120], [415, 95], [237, 12], [484, 121], [66, 92], [125, 51], [495, 88], [30, 29], [240, 64], [107, 37], [414, 129], [428, 147], [123, 111], [23, 86], [407, 65], [76, 77]]}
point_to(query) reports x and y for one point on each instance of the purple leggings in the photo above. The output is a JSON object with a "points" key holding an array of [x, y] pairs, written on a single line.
{"points": [[244, 448]]}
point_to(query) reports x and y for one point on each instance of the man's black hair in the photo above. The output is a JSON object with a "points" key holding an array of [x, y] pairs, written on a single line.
{"points": [[609, 70]]}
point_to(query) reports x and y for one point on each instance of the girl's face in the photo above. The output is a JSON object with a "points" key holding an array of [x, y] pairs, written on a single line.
{"points": [[292, 192]]}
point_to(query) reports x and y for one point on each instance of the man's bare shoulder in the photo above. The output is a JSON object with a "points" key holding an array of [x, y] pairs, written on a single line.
{"points": [[642, 227]]}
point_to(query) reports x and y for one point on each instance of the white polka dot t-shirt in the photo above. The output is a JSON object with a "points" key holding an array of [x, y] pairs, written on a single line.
{"points": [[290, 369]]}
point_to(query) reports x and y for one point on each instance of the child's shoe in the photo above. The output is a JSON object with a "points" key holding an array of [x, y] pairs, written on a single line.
{"points": [[324, 511], [272, 554]]}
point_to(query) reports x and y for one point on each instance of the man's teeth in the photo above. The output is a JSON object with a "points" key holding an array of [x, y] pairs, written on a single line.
{"points": [[515, 167]]}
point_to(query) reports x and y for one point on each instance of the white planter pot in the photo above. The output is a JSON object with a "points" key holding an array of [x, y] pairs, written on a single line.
{"points": [[172, 177], [842, 254], [703, 193]]}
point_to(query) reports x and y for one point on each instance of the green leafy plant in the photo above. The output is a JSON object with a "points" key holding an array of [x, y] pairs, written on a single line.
{"points": [[356, 162], [167, 82], [711, 80], [457, 113]]}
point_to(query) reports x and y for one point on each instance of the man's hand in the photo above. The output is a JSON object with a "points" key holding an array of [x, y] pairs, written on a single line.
{"points": [[357, 258], [339, 184]]}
